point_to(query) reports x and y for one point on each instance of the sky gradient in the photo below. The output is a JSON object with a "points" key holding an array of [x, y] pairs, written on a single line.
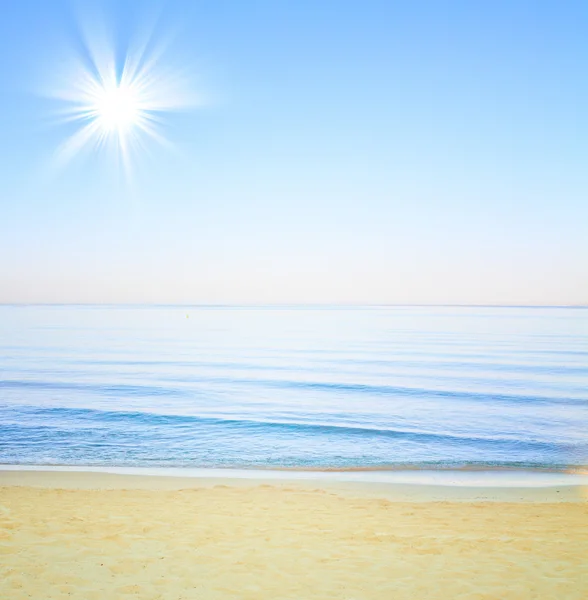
{"points": [[343, 152]]}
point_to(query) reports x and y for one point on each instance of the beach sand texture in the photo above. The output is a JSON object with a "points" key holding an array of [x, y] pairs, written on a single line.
{"points": [[284, 542]]}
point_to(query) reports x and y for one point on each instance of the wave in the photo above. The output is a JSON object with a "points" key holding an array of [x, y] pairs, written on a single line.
{"points": [[65, 419], [355, 388], [124, 389], [389, 390], [431, 365]]}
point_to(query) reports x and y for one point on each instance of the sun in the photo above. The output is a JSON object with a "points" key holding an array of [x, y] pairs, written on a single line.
{"points": [[119, 104], [117, 108]]}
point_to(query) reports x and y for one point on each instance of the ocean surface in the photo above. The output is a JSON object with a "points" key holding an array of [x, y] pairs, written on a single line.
{"points": [[320, 387]]}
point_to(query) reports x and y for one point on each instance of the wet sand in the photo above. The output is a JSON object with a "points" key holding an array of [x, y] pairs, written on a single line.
{"points": [[94, 536]]}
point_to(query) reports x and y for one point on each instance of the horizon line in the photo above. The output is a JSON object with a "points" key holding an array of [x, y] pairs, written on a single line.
{"points": [[289, 305]]}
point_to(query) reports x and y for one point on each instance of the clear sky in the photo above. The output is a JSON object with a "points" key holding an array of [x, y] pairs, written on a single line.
{"points": [[342, 152]]}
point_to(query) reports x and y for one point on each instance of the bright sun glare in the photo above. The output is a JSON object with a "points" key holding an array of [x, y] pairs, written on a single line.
{"points": [[119, 104], [118, 108]]}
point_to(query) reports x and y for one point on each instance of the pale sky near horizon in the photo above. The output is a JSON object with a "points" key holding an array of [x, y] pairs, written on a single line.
{"points": [[342, 152]]}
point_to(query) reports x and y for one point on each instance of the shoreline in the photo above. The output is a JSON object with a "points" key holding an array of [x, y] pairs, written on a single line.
{"points": [[405, 486], [407, 467]]}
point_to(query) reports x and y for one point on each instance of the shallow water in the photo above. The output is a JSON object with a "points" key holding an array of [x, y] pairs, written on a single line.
{"points": [[316, 387]]}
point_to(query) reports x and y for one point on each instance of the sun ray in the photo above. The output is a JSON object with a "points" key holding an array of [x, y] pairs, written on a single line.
{"points": [[120, 108]]}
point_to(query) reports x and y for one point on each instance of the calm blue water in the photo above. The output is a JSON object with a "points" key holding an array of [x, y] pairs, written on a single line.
{"points": [[321, 387]]}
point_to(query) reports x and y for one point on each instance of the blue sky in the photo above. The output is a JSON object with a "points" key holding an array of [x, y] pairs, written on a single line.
{"points": [[345, 152]]}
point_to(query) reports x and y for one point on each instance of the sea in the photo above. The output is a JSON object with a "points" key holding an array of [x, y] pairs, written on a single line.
{"points": [[294, 387]]}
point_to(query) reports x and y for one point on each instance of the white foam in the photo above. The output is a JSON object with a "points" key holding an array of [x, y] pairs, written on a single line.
{"points": [[464, 478]]}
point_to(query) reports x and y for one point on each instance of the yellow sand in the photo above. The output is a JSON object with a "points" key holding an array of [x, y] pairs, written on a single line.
{"points": [[282, 541]]}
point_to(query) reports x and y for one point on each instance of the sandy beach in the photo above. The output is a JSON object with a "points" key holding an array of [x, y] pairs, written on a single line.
{"points": [[95, 536]]}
